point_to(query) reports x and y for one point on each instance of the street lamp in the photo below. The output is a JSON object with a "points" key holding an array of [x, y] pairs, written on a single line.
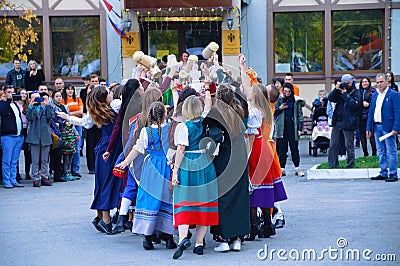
{"points": [[127, 24], [229, 22]]}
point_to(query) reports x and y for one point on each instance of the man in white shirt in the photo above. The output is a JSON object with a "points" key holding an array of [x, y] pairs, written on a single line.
{"points": [[384, 119]]}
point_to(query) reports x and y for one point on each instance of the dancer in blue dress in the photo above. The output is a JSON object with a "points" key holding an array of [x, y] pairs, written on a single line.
{"points": [[154, 199], [136, 123], [107, 187]]}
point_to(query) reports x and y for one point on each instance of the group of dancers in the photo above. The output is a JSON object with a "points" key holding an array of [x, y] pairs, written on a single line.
{"points": [[204, 158]]}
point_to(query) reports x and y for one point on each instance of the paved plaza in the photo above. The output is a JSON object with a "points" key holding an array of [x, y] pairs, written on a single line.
{"points": [[344, 222]]}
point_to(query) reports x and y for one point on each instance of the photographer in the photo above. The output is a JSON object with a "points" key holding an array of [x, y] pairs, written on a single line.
{"points": [[345, 119], [11, 138], [39, 115]]}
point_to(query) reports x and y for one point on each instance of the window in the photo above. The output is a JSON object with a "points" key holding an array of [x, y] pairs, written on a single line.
{"points": [[357, 40], [163, 43], [75, 46], [298, 41], [34, 51]]}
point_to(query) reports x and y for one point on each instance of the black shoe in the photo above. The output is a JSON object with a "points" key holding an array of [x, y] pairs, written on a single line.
{"points": [[106, 228], [279, 223], [168, 239], [147, 243], [379, 177], [60, 179], [392, 179], [268, 230], [95, 222], [91, 172], [185, 243], [119, 225], [76, 175], [36, 183], [198, 250], [255, 230], [46, 182]]}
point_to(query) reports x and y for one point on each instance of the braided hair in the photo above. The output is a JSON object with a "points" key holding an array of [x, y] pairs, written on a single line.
{"points": [[156, 115]]}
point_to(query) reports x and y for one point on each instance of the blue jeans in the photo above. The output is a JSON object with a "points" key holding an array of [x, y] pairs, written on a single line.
{"points": [[77, 157], [387, 152], [12, 146]]}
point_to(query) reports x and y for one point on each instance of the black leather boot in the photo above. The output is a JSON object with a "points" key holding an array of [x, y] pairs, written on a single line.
{"points": [[155, 239], [119, 226], [268, 230], [169, 240], [147, 244]]}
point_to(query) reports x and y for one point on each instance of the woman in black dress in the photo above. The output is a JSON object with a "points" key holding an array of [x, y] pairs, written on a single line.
{"points": [[33, 77], [224, 124]]}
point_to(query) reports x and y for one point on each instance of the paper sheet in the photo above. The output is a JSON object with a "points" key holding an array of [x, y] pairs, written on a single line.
{"points": [[385, 136]]}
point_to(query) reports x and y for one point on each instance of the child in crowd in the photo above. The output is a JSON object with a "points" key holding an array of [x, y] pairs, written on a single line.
{"points": [[195, 189], [154, 199], [320, 101], [69, 137]]}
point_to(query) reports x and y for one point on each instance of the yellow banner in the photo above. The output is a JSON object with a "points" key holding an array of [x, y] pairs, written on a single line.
{"points": [[130, 45], [231, 42]]}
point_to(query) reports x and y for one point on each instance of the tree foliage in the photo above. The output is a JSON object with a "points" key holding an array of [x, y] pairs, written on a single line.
{"points": [[17, 34]]}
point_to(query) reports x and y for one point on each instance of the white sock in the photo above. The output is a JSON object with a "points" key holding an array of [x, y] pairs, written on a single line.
{"points": [[198, 245], [125, 204]]}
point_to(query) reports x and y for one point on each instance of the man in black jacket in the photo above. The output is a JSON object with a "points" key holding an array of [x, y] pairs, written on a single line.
{"points": [[16, 76], [11, 138], [345, 119]]}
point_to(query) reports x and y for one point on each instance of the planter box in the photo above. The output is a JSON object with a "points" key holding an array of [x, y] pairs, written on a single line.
{"points": [[314, 173]]}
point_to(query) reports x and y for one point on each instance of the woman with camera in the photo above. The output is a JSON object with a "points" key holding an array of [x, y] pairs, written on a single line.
{"points": [[39, 114]]}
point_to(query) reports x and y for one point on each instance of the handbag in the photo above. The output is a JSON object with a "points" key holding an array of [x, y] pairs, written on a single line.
{"points": [[55, 140], [118, 172]]}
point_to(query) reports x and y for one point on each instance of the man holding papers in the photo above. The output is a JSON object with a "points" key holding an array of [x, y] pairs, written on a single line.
{"points": [[384, 119]]}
